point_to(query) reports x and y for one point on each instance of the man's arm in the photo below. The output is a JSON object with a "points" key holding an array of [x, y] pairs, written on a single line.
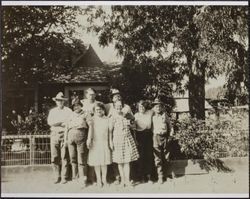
{"points": [[90, 133], [111, 129], [52, 120]]}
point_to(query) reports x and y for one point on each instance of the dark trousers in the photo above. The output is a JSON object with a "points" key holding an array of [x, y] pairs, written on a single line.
{"points": [[145, 147], [160, 145], [78, 152], [59, 155]]}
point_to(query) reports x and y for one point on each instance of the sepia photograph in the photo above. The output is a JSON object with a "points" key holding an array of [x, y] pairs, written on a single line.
{"points": [[124, 99]]}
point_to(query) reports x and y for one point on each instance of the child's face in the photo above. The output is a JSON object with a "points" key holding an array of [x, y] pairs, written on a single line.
{"points": [[118, 107], [77, 108], [141, 108], [158, 108], [99, 112]]}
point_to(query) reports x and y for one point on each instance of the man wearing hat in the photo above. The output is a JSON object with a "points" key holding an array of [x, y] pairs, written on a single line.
{"points": [[116, 96], [89, 102], [162, 129], [57, 119]]}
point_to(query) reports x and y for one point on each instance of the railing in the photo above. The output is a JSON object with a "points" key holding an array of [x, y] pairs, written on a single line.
{"points": [[25, 150]]}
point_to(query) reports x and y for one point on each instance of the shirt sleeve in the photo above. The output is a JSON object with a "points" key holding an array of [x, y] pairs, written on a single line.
{"points": [[135, 116], [129, 110], [51, 117]]}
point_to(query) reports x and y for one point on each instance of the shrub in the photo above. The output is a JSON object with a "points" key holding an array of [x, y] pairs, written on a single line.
{"points": [[211, 139], [34, 123]]}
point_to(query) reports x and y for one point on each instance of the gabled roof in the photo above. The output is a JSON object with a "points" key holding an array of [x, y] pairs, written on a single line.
{"points": [[87, 67]]}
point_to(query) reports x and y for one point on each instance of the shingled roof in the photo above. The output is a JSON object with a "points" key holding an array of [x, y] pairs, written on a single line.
{"points": [[87, 67]]}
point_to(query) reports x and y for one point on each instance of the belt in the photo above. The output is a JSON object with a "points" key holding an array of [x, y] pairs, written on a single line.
{"points": [[162, 134]]}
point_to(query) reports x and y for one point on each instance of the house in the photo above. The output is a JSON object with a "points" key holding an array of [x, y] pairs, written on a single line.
{"points": [[181, 109], [88, 71]]}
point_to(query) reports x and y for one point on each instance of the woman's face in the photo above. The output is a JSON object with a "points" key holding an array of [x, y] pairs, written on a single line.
{"points": [[99, 112], [141, 108], [117, 97], [118, 107]]}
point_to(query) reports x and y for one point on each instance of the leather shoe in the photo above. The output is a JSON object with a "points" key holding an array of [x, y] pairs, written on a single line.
{"points": [[57, 180]]}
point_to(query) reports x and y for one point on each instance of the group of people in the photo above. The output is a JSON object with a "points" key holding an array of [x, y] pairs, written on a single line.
{"points": [[95, 134]]}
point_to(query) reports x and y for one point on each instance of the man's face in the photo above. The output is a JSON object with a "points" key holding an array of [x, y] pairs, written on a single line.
{"points": [[117, 97], [158, 108], [90, 96], [60, 103]]}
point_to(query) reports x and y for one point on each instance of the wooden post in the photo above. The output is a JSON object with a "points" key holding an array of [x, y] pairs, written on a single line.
{"points": [[66, 93], [36, 98], [32, 150]]}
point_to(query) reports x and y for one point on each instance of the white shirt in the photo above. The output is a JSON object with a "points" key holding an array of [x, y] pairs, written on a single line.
{"points": [[57, 115], [77, 121], [143, 121], [88, 107], [161, 124]]}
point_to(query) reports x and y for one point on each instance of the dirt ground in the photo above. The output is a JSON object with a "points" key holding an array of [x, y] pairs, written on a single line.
{"points": [[214, 182]]}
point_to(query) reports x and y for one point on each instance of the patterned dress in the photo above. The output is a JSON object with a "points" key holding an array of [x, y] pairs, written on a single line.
{"points": [[99, 153], [125, 149]]}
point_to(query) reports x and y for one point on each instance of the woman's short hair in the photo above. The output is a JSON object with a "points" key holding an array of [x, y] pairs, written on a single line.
{"points": [[100, 105]]}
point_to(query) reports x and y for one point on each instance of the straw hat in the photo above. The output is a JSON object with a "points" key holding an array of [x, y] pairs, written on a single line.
{"points": [[157, 101], [114, 92]]}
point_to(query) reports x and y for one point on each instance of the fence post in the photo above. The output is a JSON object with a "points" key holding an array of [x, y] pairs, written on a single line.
{"points": [[32, 149]]}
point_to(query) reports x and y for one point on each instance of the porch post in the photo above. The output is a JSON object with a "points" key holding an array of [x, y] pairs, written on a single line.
{"points": [[66, 93], [36, 98]]}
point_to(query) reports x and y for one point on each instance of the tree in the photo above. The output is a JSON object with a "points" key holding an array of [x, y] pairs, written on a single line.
{"points": [[199, 42], [37, 42]]}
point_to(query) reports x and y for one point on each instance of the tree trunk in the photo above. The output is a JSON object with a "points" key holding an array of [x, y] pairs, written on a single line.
{"points": [[196, 90]]}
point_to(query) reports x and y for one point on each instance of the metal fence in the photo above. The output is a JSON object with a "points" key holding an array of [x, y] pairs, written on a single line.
{"points": [[25, 150], [35, 149]]}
